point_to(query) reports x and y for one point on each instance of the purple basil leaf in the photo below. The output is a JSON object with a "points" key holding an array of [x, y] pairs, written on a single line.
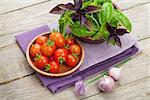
{"points": [[78, 4], [117, 41], [110, 38], [91, 9], [61, 8], [58, 9], [69, 6], [110, 29], [121, 31], [76, 17], [83, 19]]}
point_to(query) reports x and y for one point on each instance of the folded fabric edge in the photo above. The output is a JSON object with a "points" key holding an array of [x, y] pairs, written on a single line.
{"points": [[56, 87]]}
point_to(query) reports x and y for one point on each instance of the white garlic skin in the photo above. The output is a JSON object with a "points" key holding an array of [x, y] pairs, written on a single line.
{"points": [[115, 73], [106, 84]]}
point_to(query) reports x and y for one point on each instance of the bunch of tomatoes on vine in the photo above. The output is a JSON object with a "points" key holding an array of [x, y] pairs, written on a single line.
{"points": [[50, 51]]}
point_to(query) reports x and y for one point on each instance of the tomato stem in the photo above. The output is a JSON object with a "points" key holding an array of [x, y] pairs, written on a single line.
{"points": [[47, 67], [55, 30], [61, 60], [37, 57], [49, 42], [75, 55], [66, 46]]}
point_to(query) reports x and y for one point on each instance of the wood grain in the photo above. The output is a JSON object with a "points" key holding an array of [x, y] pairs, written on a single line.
{"points": [[133, 91], [128, 4], [13, 64], [33, 89], [7, 6], [9, 26], [17, 81], [135, 69]]}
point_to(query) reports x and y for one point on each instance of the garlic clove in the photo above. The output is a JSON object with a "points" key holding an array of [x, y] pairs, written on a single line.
{"points": [[115, 73], [106, 84], [80, 88]]}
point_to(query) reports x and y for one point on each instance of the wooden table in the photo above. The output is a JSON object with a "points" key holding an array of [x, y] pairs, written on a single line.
{"points": [[17, 79]]}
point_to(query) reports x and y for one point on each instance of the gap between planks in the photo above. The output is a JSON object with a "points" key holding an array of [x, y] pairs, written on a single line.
{"points": [[33, 73], [137, 5], [6, 82], [144, 78], [25, 7], [134, 6], [51, 0]]}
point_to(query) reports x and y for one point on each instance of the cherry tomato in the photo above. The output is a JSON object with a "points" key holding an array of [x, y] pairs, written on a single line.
{"points": [[35, 49], [52, 67], [75, 49], [58, 39], [41, 61], [69, 41], [41, 40], [48, 48], [60, 55], [72, 60], [51, 58]]}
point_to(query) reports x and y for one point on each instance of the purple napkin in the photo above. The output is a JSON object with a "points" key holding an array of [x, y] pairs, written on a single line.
{"points": [[98, 57]]}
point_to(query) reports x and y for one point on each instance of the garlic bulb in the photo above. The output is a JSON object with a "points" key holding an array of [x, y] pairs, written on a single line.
{"points": [[115, 73], [106, 84], [80, 88]]}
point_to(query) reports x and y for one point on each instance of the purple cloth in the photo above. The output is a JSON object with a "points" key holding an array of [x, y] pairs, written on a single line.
{"points": [[98, 57]]}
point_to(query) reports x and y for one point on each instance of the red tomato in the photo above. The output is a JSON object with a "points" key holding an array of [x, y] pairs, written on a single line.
{"points": [[41, 61], [48, 48], [58, 39], [52, 67], [72, 60], [60, 55], [75, 49], [69, 41], [41, 40], [35, 49], [51, 58]]}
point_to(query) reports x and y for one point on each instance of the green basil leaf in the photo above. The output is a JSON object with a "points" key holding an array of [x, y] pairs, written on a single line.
{"points": [[64, 21], [123, 19], [102, 33], [97, 36], [105, 33], [81, 31], [101, 1], [114, 22], [94, 23], [107, 13], [86, 4]]}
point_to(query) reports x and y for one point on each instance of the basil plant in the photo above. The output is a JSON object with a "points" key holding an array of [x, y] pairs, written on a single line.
{"points": [[93, 18]]}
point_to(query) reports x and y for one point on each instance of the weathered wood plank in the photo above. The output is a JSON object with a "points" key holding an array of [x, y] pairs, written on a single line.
{"points": [[21, 20], [9, 39], [12, 5], [128, 4], [134, 70], [28, 88], [7, 26], [28, 18], [132, 91], [15, 65], [33, 90]]}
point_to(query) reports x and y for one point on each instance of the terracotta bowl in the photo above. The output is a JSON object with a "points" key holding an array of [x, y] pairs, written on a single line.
{"points": [[66, 70]]}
